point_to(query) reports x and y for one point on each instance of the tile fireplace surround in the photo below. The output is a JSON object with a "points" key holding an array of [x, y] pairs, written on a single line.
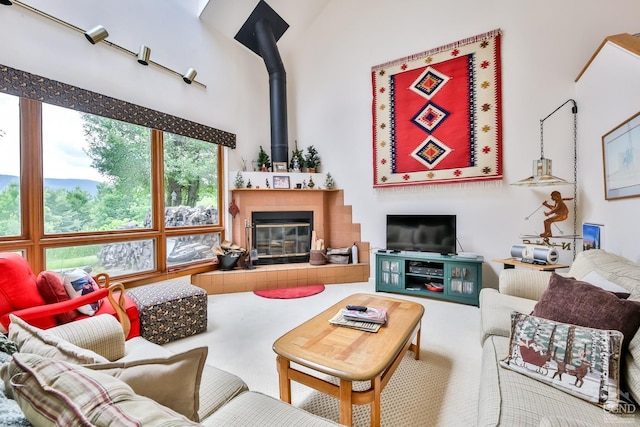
{"points": [[332, 222]]}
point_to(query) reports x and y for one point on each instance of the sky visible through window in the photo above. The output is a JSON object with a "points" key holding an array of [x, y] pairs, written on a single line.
{"points": [[64, 155]]}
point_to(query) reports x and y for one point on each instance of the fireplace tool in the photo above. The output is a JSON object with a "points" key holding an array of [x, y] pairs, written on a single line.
{"points": [[252, 254]]}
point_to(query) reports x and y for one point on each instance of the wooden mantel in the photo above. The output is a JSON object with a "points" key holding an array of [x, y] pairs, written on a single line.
{"points": [[331, 218], [332, 222]]}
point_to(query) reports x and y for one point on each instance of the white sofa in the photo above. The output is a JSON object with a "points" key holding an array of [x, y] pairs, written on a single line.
{"points": [[94, 351], [508, 398]]}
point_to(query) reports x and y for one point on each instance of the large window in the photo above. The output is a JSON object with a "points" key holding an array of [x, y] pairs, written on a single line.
{"points": [[97, 172], [10, 220], [113, 196]]}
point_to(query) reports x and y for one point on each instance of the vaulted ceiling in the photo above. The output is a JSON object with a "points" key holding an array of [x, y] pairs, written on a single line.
{"points": [[227, 16]]}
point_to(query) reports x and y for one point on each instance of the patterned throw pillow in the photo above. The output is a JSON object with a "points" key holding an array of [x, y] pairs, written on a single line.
{"points": [[30, 339], [77, 283], [53, 392], [583, 362], [51, 287], [159, 378]]}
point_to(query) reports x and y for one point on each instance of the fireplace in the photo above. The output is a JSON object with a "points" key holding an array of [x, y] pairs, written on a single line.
{"points": [[282, 237]]}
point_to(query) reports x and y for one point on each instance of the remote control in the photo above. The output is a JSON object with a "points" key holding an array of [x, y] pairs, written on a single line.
{"points": [[357, 307]]}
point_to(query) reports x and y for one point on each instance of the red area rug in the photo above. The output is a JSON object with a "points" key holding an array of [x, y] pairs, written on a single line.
{"points": [[287, 293]]}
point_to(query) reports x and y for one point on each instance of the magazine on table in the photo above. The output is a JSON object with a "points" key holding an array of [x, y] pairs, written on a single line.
{"points": [[340, 320], [373, 314]]}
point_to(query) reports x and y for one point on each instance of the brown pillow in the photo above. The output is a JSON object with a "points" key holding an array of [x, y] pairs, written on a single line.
{"points": [[568, 300], [51, 287]]}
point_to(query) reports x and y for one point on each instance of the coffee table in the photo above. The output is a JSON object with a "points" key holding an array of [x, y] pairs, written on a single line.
{"points": [[349, 354]]}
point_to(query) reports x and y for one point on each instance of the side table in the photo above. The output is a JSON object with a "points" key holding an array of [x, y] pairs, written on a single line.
{"points": [[514, 262]]}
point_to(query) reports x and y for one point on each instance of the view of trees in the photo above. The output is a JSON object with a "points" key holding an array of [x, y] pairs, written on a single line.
{"points": [[121, 153]]}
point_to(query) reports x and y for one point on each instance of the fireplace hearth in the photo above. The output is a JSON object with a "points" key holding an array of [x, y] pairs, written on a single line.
{"points": [[282, 237]]}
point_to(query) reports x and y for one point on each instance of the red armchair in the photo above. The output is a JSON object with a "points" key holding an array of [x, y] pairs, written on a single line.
{"points": [[42, 301]]}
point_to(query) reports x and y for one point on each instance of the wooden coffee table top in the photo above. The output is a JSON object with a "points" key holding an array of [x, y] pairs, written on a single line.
{"points": [[348, 353]]}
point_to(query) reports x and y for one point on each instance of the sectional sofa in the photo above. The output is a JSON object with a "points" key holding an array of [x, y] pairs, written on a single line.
{"points": [[514, 393], [85, 373]]}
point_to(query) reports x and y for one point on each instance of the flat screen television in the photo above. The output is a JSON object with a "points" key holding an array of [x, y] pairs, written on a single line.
{"points": [[422, 233]]}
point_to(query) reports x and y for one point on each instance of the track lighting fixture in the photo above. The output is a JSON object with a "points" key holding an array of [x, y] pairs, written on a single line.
{"points": [[189, 76], [143, 55], [96, 34], [99, 33]]}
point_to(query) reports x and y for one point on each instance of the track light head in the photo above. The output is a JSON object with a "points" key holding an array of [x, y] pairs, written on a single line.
{"points": [[6, 2], [96, 34], [189, 76], [143, 55]]}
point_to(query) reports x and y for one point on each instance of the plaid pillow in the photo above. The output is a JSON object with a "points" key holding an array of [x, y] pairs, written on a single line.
{"points": [[49, 391], [159, 378]]}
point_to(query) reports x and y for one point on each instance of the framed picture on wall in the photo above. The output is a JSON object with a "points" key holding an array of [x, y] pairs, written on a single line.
{"points": [[621, 160], [279, 166], [281, 182]]}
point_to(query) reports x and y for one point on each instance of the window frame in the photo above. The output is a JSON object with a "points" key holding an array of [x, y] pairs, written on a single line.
{"points": [[33, 241]]}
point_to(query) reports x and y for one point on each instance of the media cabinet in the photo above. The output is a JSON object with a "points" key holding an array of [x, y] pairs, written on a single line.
{"points": [[451, 278]]}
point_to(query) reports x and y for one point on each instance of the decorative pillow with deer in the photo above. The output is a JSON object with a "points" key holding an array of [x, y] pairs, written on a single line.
{"points": [[583, 362]]}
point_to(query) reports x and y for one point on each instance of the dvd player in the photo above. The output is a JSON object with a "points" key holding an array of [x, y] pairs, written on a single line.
{"points": [[418, 269]]}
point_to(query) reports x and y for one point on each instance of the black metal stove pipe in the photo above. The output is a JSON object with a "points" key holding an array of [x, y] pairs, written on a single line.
{"points": [[277, 90]]}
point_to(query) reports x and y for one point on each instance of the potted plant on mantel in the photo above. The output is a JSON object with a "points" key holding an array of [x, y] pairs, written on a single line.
{"points": [[264, 161], [312, 160]]}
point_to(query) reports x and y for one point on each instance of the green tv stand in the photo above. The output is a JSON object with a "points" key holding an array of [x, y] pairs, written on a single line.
{"points": [[451, 278]]}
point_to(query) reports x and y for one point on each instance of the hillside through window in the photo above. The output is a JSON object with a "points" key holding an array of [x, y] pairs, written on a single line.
{"points": [[115, 197]]}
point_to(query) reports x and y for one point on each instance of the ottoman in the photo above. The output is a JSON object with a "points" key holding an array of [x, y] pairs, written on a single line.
{"points": [[170, 310]]}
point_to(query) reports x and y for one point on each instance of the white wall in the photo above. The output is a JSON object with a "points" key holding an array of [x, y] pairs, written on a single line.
{"points": [[545, 45], [609, 93]]}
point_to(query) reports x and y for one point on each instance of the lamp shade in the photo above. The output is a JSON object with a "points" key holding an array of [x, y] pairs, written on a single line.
{"points": [[96, 34], [189, 76], [143, 55], [542, 176]]}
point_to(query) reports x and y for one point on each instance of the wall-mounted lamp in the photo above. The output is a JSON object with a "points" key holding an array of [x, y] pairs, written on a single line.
{"points": [[189, 76], [96, 34], [99, 33], [143, 55], [542, 173]]}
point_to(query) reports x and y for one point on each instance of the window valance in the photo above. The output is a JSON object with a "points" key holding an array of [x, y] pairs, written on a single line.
{"points": [[31, 86]]}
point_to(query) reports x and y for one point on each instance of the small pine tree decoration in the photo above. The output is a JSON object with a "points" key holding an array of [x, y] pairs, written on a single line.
{"points": [[329, 183], [297, 159], [263, 159], [312, 160], [239, 181]]}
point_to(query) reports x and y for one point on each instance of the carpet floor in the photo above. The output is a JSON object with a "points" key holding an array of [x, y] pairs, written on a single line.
{"points": [[440, 389]]}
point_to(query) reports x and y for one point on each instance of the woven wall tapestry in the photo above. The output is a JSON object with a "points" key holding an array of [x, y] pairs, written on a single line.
{"points": [[437, 115]]}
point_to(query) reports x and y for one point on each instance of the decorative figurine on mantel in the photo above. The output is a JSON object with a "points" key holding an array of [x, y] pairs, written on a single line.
{"points": [[297, 159], [311, 183], [266, 181], [249, 184], [239, 181], [329, 183]]}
